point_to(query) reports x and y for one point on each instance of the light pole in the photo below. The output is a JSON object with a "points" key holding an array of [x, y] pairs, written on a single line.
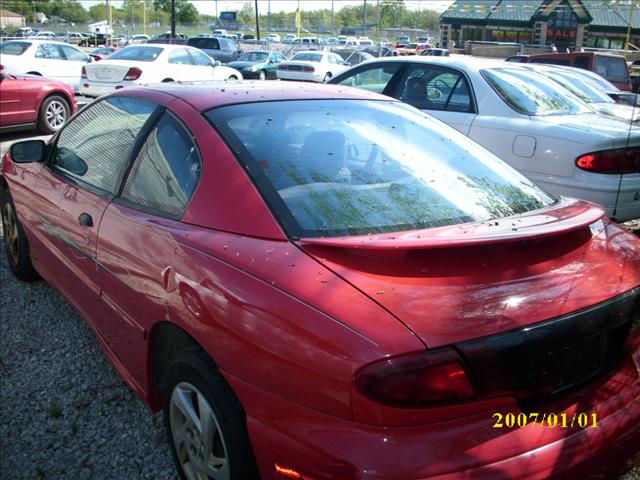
{"points": [[257, 21], [173, 19]]}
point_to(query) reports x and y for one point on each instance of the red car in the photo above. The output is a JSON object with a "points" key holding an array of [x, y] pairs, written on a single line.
{"points": [[317, 282], [102, 52], [28, 101]]}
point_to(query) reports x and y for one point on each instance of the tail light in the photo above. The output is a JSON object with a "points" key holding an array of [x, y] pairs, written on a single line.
{"points": [[611, 161], [83, 73], [133, 74], [417, 380], [283, 67], [308, 69]]}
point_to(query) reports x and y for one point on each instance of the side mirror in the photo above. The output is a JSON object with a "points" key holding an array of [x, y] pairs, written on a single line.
{"points": [[30, 151], [217, 63]]}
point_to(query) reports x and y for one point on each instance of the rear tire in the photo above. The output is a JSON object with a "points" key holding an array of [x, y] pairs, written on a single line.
{"points": [[232, 77], [54, 113], [34, 73], [327, 77], [167, 80], [16, 245], [262, 75], [197, 396]]}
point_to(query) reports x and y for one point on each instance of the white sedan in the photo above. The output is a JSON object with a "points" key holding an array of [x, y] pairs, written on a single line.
{"points": [[155, 63], [591, 93], [311, 67], [56, 60], [524, 118]]}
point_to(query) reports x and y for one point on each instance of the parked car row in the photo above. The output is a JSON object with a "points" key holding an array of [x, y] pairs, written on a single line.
{"points": [[534, 118], [555, 124]]}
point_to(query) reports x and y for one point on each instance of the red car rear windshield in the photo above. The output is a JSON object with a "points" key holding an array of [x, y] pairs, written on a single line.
{"points": [[345, 167]]}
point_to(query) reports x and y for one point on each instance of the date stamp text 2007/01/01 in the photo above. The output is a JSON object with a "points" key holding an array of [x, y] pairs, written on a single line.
{"points": [[562, 420]]}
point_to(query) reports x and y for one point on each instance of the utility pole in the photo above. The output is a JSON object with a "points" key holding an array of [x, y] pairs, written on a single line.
{"points": [[299, 20], [378, 22], [110, 32], [144, 17], [627, 42], [257, 21], [364, 18], [333, 19], [173, 19], [269, 15]]}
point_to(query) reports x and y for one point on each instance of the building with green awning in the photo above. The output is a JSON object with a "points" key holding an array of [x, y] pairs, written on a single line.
{"points": [[572, 24]]}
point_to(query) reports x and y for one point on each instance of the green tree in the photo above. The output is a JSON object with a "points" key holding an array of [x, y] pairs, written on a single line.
{"points": [[185, 11], [187, 14], [247, 14]]}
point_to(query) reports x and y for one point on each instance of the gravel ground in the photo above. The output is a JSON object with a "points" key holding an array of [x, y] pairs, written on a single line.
{"points": [[64, 412]]}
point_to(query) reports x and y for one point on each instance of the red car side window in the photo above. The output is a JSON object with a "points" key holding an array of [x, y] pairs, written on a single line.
{"points": [[166, 172], [95, 147]]}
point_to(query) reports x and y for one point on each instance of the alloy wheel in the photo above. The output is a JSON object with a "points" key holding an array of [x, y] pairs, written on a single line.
{"points": [[197, 436], [10, 224], [55, 114]]}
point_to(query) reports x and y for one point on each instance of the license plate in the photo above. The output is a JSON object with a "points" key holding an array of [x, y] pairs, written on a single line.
{"points": [[104, 74]]}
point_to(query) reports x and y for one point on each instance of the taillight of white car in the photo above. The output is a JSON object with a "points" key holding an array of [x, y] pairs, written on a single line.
{"points": [[617, 161], [133, 74]]}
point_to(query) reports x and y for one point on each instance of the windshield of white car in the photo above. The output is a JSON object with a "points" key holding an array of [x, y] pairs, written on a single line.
{"points": [[13, 48], [139, 53], [353, 167], [530, 93], [307, 57], [254, 57]]}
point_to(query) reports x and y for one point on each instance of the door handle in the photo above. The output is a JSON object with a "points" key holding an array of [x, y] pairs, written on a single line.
{"points": [[85, 220]]}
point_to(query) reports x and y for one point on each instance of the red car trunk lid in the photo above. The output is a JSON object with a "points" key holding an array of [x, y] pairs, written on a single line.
{"points": [[458, 283]]}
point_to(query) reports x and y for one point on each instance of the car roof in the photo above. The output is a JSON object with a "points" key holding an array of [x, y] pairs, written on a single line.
{"points": [[211, 94], [34, 41], [311, 51], [166, 46], [461, 62]]}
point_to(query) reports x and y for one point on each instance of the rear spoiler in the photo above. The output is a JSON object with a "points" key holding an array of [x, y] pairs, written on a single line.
{"points": [[564, 216]]}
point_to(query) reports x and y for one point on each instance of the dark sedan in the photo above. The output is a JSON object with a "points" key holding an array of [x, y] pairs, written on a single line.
{"points": [[258, 64]]}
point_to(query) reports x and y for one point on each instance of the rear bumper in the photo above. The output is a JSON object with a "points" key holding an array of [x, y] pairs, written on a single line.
{"points": [[325, 447], [300, 76], [90, 88]]}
